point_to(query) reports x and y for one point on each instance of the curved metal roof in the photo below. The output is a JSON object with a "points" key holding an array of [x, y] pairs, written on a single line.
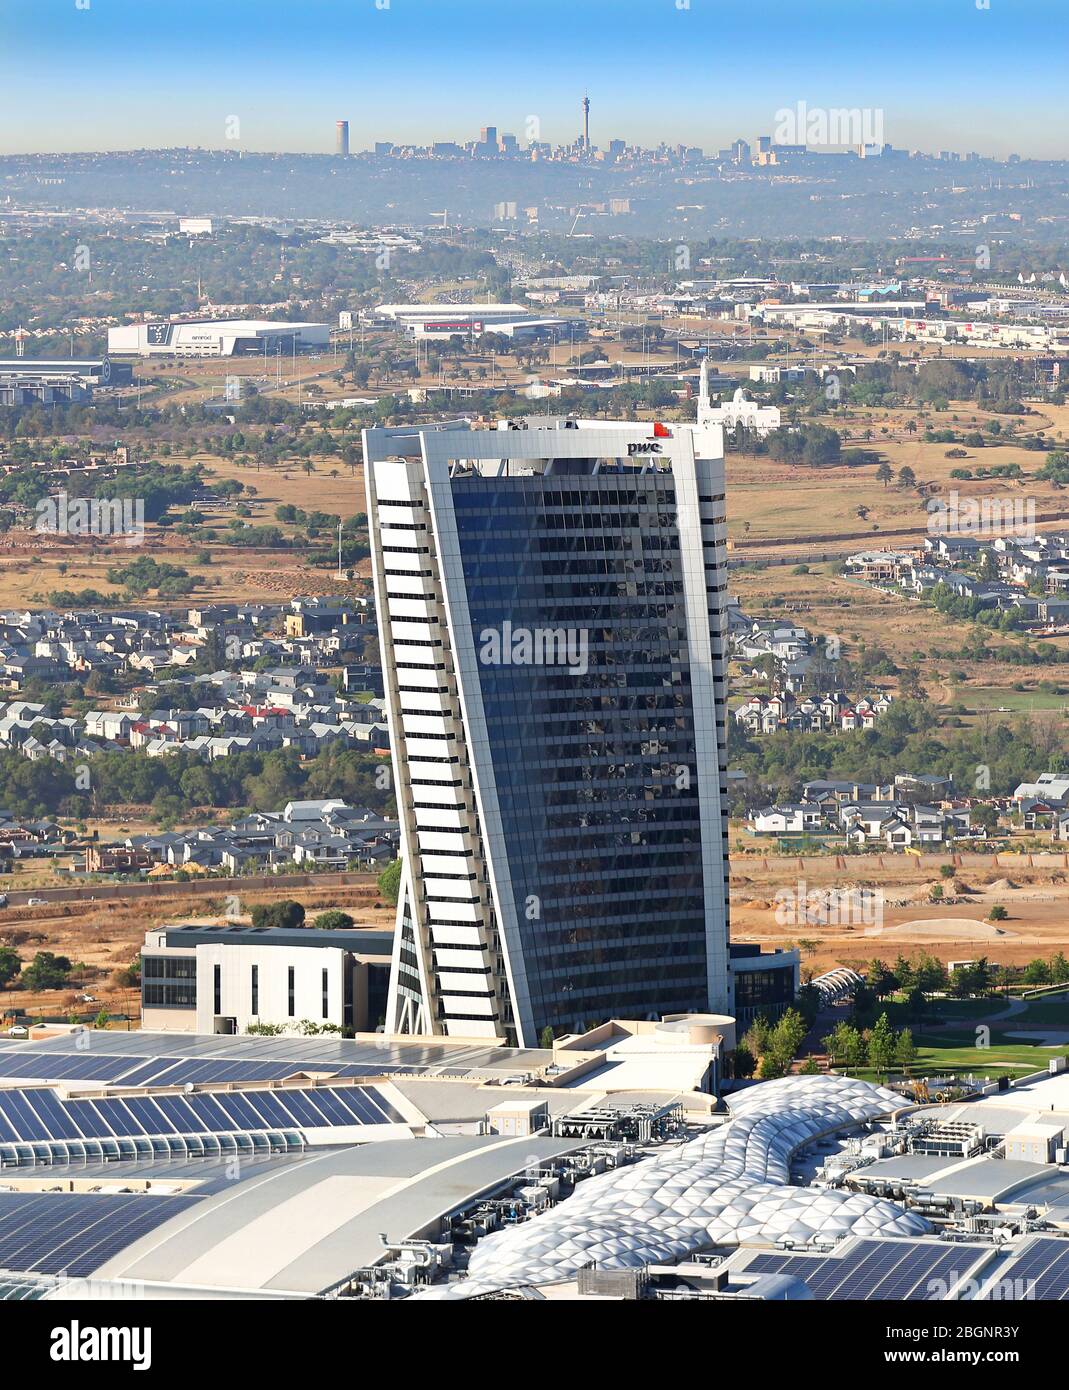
{"points": [[728, 1186]]}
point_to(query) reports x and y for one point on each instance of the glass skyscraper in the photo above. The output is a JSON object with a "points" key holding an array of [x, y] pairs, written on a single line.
{"points": [[551, 607]]}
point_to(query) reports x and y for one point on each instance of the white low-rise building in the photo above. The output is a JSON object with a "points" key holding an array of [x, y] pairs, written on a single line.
{"points": [[216, 338], [222, 978], [740, 410]]}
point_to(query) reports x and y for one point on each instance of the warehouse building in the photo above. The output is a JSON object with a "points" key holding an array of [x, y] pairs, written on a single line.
{"points": [[24, 380], [471, 320], [217, 338]]}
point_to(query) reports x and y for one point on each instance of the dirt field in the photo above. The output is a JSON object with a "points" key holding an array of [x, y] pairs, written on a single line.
{"points": [[769, 501], [904, 919], [107, 936]]}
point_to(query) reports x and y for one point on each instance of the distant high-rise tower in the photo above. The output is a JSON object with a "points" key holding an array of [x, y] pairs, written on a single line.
{"points": [[341, 145], [586, 124]]}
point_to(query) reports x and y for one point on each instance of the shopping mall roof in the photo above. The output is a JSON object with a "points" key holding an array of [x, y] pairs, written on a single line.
{"points": [[304, 1226]]}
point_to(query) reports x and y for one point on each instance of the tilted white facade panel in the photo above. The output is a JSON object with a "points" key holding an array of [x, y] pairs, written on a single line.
{"points": [[452, 935], [432, 840], [469, 1004], [442, 818], [458, 960], [410, 608]]}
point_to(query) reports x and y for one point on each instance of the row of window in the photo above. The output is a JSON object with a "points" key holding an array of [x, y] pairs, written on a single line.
{"points": [[254, 991]]}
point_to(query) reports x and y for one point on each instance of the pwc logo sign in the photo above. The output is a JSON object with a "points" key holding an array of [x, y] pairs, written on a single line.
{"points": [[650, 446]]}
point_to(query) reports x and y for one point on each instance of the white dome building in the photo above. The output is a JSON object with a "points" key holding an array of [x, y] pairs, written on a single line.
{"points": [[740, 410], [728, 1186]]}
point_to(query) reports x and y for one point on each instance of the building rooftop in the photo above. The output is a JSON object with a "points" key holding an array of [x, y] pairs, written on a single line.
{"points": [[369, 940], [304, 1227]]}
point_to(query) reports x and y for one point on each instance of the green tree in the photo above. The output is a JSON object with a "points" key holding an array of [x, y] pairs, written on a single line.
{"points": [[881, 1045], [390, 881], [46, 971], [843, 1044], [930, 975], [333, 920], [743, 1062], [756, 1037], [286, 914], [903, 970], [905, 1049], [10, 964], [880, 978]]}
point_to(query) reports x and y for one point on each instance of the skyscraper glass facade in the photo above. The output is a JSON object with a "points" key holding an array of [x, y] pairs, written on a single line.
{"points": [[593, 753], [551, 613]]}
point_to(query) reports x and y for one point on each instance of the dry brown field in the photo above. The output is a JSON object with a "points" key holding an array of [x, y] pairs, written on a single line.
{"points": [[107, 936], [1036, 900]]}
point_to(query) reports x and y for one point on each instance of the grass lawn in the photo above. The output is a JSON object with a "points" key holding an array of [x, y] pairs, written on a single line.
{"points": [[991, 697], [951, 1010], [957, 1051], [1050, 1013]]}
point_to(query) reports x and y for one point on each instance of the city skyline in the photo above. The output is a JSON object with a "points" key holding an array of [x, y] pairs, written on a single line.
{"points": [[201, 76]]}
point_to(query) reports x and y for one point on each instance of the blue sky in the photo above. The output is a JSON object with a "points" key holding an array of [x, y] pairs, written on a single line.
{"points": [[120, 74]]}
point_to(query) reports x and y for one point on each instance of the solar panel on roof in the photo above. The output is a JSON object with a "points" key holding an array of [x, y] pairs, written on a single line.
{"points": [[1041, 1271], [75, 1233], [878, 1270], [76, 1066], [37, 1115]]}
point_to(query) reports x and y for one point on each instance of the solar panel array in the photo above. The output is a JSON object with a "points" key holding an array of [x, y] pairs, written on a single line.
{"points": [[75, 1232], [83, 1065], [1043, 1266], [38, 1114], [126, 1070], [178, 1071], [899, 1270], [293, 1053]]}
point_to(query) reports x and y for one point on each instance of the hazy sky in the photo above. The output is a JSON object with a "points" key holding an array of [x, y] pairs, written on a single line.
{"points": [[127, 74]]}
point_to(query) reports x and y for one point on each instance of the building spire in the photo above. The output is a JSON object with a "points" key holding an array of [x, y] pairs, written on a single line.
{"points": [[703, 389]]}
